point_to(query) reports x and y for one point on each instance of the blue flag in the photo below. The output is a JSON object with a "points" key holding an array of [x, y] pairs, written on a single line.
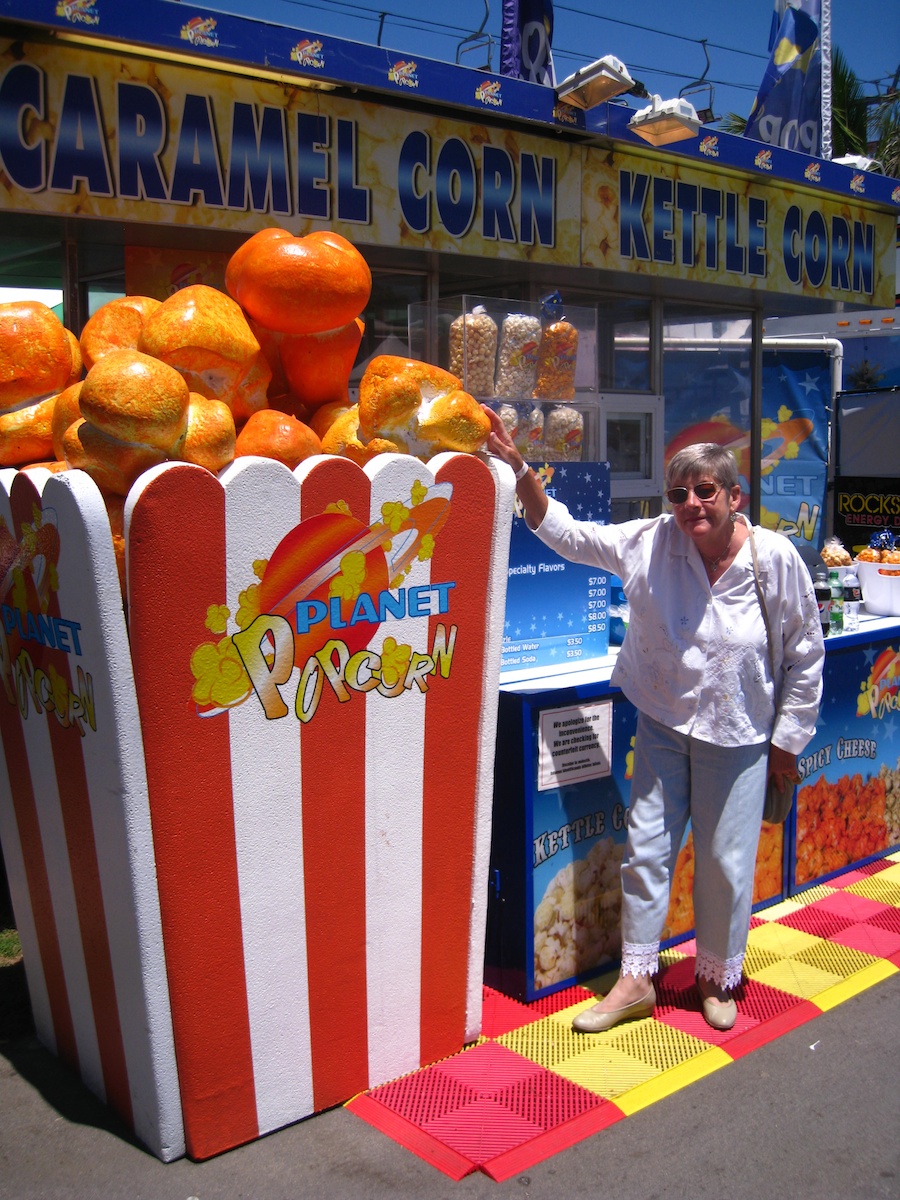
{"points": [[787, 110], [525, 40]]}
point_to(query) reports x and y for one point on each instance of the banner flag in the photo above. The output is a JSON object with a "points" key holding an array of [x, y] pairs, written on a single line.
{"points": [[787, 110], [525, 41]]}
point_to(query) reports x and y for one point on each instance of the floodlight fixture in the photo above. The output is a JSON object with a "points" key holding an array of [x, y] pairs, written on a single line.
{"points": [[590, 86], [860, 163], [665, 121]]}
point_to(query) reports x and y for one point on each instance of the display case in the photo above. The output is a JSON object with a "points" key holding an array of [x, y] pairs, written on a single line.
{"points": [[562, 789], [535, 363]]}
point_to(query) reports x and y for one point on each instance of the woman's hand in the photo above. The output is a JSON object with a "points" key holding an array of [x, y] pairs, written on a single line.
{"points": [[500, 443], [783, 765], [528, 486]]}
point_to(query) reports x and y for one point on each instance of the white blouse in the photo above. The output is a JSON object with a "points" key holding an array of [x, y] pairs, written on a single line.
{"points": [[694, 655]]}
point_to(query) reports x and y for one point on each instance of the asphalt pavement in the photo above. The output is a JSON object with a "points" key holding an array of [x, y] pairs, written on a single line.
{"points": [[814, 1114]]}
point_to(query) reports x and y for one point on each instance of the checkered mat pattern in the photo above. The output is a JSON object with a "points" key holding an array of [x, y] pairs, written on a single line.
{"points": [[531, 1086]]}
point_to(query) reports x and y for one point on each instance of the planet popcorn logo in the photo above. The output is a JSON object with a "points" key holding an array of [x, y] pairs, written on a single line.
{"points": [[308, 54], [404, 74], [565, 113], [879, 694], [763, 160], [322, 597], [488, 92], [709, 146], [858, 184], [78, 12], [200, 31], [813, 173], [35, 640]]}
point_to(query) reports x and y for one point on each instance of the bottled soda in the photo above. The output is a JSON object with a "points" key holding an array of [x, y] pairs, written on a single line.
{"points": [[837, 602], [852, 597], [823, 599]]}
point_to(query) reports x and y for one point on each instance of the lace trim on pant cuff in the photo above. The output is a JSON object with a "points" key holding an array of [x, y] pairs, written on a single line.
{"points": [[726, 972], [640, 959]]}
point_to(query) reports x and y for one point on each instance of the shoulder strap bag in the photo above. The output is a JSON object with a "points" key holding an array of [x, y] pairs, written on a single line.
{"points": [[779, 798]]}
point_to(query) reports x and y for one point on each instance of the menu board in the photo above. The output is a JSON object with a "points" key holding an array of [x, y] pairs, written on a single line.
{"points": [[557, 612]]}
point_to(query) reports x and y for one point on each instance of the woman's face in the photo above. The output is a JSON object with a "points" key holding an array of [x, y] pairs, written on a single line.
{"points": [[706, 521]]}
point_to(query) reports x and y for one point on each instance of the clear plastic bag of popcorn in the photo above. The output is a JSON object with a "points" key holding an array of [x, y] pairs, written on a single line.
{"points": [[557, 355], [509, 415], [834, 554], [563, 434], [557, 352], [520, 336], [529, 432], [473, 350]]}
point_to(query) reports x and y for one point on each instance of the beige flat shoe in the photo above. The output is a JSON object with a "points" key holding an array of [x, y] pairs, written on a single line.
{"points": [[719, 1014], [591, 1021]]}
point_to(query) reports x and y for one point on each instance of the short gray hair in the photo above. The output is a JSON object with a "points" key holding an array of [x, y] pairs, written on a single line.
{"points": [[703, 458]]}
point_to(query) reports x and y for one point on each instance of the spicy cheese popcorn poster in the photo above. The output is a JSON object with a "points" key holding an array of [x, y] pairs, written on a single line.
{"points": [[316, 660], [848, 800]]}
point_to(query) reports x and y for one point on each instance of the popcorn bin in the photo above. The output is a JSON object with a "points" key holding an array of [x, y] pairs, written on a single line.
{"points": [[247, 834], [509, 349], [880, 583]]}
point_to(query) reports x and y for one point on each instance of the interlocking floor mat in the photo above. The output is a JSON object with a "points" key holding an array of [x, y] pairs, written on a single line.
{"points": [[531, 1086]]}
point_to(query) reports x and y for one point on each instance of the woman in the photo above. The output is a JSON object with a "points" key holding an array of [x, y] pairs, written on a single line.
{"points": [[695, 663]]}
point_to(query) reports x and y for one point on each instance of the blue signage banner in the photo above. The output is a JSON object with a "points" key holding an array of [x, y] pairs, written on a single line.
{"points": [[711, 403], [787, 110], [525, 41], [557, 612]]}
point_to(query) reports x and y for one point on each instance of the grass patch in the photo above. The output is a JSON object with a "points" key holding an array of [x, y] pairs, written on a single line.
{"points": [[10, 946]]}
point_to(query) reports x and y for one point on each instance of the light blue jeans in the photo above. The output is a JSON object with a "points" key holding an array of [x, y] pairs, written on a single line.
{"points": [[721, 789]]}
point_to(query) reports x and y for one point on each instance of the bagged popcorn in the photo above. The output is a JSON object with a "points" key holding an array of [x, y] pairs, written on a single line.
{"points": [[473, 351], [520, 336], [557, 353]]}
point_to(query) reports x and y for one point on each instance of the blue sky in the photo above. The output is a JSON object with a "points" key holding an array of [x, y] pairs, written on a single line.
{"points": [[737, 31]]}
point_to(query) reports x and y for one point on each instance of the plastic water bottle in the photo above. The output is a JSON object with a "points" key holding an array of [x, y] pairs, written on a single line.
{"points": [[852, 597], [823, 599], [837, 601]]}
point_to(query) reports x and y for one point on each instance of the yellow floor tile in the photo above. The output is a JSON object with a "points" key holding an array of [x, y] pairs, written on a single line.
{"points": [[606, 1071], [673, 1080], [854, 984], [783, 909], [797, 978], [780, 939], [876, 887]]}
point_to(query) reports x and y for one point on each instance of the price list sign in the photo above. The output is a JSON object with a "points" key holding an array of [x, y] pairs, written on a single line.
{"points": [[557, 612]]}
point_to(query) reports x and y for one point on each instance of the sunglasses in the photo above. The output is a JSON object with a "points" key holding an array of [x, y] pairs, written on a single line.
{"points": [[703, 491]]}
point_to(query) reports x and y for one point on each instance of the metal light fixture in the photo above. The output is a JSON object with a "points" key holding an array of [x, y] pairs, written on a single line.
{"points": [[665, 121], [860, 163], [590, 86]]}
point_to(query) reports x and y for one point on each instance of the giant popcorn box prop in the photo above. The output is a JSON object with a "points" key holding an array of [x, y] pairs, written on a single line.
{"points": [[251, 882]]}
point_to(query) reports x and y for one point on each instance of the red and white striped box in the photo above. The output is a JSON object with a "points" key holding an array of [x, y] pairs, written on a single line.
{"points": [[74, 812], [316, 663]]}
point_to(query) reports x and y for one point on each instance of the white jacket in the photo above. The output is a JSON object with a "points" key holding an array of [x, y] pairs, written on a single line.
{"points": [[694, 656]]}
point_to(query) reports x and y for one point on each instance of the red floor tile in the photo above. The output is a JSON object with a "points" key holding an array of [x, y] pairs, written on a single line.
{"points": [[870, 938], [846, 904], [496, 1111]]}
